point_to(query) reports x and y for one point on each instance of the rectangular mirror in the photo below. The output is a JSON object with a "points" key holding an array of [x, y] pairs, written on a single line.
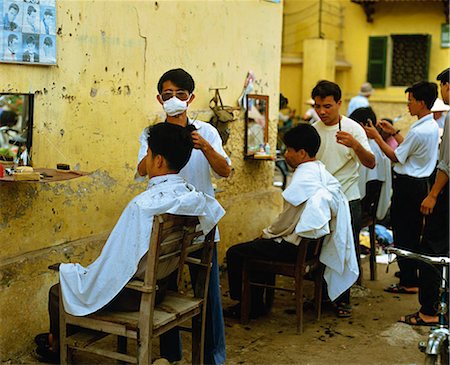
{"points": [[256, 124], [16, 128]]}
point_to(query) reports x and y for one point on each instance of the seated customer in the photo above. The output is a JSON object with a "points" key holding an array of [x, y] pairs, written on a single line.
{"points": [[314, 206], [88, 289]]}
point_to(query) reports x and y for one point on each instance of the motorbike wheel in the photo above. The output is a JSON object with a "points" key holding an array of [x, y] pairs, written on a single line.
{"points": [[279, 178], [441, 359]]}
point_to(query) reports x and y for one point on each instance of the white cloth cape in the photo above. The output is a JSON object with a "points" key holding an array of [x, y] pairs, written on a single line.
{"points": [[87, 289], [327, 213], [381, 172]]}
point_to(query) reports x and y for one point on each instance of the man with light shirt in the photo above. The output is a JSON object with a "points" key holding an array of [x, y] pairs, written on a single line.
{"points": [[175, 94], [344, 147], [414, 161]]}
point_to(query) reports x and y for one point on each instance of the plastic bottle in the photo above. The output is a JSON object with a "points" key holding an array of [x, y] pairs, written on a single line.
{"points": [[267, 149]]}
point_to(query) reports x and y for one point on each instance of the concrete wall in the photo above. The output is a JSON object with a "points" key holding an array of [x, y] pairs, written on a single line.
{"points": [[89, 112]]}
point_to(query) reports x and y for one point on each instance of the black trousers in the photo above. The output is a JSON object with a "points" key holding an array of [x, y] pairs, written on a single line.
{"points": [[355, 213], [435, 242], [407, 221], [258, 249]]}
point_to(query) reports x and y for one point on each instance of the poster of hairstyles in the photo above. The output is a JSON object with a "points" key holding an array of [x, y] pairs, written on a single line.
{"points": [[28, 32]]}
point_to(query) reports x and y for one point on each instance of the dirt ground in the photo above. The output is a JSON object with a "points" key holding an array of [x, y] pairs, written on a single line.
{"points": [[371, 336]]}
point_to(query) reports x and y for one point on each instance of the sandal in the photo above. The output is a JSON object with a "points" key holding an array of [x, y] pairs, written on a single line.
{"points": [[42, 340], [415, 320], [398, 289], [343, 310]]}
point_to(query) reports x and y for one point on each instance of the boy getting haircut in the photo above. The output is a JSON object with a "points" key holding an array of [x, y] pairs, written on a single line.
{"points": [[303, 136]]}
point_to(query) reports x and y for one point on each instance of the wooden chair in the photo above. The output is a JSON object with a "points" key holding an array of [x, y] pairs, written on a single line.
{"points": [[172, 239], [303, 266], [369, 206]]}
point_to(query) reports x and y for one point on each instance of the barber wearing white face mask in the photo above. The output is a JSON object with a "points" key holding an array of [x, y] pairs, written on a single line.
{"points": [[175, 93]]}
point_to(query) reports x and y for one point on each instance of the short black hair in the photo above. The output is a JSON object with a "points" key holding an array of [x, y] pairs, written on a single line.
{"points": [[326, 88], [11, 37], [31, 9], [48, 12], [424, 91], [362, 115], [178, 77], [443, 76], [48, 41], [8, 118], [14, 6], [171, 141], [303, 137]]}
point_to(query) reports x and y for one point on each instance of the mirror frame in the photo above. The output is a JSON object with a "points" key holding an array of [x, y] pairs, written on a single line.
{"points": [[266, 116]]}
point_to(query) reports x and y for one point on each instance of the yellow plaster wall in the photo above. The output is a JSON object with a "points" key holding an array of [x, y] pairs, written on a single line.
{"points": [[301, 23], [89, 112], [391, 18]]}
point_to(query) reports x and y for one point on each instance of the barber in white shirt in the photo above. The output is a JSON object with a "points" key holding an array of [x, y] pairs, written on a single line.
{"points": [[175, 94], [414, 161]]}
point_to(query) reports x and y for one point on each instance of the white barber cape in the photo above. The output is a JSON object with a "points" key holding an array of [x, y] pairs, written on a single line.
{"points": [[326, 212], [87, 289]]}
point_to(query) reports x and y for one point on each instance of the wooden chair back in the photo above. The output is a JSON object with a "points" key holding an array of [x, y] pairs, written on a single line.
{"points": [[173, 239]]}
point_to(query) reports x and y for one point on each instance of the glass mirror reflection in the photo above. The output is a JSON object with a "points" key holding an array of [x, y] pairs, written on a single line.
{"points": [[256, 124]]}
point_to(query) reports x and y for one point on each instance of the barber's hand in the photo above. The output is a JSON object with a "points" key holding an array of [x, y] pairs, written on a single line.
{"points": [[346, 139], [199, 142], [427, 206], [371, 131], [386, 126]]}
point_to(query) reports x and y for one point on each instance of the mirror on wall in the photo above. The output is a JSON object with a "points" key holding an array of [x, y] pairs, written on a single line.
{"points": [[256, 125], [16, 128]]}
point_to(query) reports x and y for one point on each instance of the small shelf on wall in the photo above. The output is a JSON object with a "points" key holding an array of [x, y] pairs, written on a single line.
{"points": [[48, 175], [260, 157]]}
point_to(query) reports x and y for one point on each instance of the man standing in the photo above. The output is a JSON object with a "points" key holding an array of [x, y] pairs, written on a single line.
{"points": [[344, 146], [362, 99], [414, 161], [436, 231], [175, 93]]}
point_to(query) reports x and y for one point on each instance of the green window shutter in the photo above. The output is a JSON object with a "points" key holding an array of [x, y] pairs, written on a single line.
{"points": [[376, 69]]}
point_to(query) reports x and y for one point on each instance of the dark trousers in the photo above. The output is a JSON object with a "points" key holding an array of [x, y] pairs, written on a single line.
{"points": [[355, 213], [407, 221], [260, 248], [434, 243]]}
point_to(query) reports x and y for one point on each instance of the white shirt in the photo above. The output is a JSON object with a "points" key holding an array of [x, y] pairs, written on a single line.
{"points": [[87, 289], [359, 101], [341, 161], [418, 153], [324, 207], [197, 171], [381, 172]]}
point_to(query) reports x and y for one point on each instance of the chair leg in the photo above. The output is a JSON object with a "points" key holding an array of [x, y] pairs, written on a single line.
{"points": [[373, 259], [299, 303], [318, 283], [198, 339], [121, 346], [245, 295], [63, 353]]}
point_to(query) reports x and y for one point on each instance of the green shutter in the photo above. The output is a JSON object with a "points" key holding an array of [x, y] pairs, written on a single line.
{"points": [[376, 69]]}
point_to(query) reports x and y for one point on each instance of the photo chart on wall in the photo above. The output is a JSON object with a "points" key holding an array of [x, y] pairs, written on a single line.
{"points": [[28, 31]]}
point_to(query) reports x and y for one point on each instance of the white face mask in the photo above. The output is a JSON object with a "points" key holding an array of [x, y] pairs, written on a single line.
{"points": [[175, 106]]}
